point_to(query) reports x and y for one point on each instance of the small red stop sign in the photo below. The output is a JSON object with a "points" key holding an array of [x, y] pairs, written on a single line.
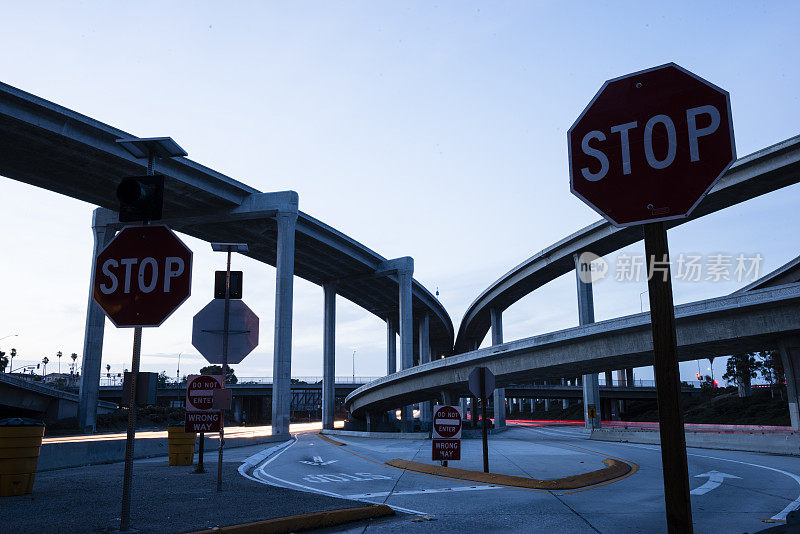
{"points": [[142, 276], [650, 145]]}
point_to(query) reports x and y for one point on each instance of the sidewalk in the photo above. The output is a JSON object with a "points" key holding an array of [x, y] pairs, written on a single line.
{"points": [[164, 499]]}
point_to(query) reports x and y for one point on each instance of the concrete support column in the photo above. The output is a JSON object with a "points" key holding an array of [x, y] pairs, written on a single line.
{"points": [[329, 356], [564, 402], [92, 339], [425, 409], [463, 403], [404, 278], [629, 377], [590, 382], [609, 379], [790, 354], [621, 380], [391, 345], [499, 393], [284, 296], [547, 405]]}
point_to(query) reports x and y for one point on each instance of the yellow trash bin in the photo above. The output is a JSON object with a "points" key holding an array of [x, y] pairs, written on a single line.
{"points": [[20, 441], [181, 446]]}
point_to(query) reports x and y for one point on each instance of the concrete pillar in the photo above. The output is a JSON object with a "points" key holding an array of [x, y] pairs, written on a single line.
{"points": [[590, 382], [790, 354], [629, 377], [404, 278], [329, 356], [621, 380], [547, 405], [282, 358], [499, 393], [92, 339], [463, 403], [609, 379], [391, 345], [564, 402], [237, 410], [425, 410]]}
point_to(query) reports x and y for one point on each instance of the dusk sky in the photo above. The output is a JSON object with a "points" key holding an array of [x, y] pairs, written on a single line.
{"points": [[436, 131]]}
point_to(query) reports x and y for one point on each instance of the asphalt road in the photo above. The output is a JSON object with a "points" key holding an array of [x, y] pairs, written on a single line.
{"points": [[733, 492]]}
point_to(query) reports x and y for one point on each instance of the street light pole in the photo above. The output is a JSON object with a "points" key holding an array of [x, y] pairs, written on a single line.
{"points": [[354, 367]]}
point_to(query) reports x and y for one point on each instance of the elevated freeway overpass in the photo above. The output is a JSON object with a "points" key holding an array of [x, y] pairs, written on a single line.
{"points": [[582, 351], [49, 146]]}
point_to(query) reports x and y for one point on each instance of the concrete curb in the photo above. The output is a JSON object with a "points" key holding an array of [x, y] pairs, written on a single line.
{"points": [[331, 440], [297, 523], [81, 453], [615, 469], [766, 442], [383, 435]]}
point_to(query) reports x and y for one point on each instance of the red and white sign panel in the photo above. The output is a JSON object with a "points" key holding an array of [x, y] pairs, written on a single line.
{"points": [[142, 276], [200, 392], [446, 422], [446, 449], [196, 422], [650, 145]]}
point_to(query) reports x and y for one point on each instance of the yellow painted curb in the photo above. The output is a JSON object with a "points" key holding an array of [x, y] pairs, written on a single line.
{"points": [[330, 440], [297, 523], [614, 470]]}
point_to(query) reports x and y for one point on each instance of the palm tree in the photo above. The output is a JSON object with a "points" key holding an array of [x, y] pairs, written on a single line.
{"points": [[11, 365], [45, 361], [74, 357], [59, 355]]}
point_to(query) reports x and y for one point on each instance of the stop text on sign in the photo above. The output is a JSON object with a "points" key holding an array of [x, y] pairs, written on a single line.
{"points": [[658, 139], [149, 274]]}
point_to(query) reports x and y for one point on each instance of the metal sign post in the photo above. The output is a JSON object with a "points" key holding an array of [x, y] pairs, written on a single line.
{"points": [[127, 477], [138, 199], [662, 137], [481, 384], [229, 248]]}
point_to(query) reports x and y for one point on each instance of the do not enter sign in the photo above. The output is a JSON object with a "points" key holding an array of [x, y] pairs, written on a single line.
{"points": [[200, 392], [447, 422]]}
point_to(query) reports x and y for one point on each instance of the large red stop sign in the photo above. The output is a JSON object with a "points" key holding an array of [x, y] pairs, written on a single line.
{"points": [[142, 276], [650, 145]]}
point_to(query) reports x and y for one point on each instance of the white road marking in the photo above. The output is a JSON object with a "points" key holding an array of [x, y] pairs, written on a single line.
{"points": [[781, 516], [280, 450], [715, 479], [318, 461], [344, 477], [419, 492]]}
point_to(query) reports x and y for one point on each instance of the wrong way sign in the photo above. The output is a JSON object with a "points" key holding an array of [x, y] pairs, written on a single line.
{"points": [[446, 442], [200, 415]]}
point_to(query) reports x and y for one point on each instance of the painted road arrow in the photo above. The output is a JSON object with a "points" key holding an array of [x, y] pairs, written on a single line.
{"points": [[715, 479], [317, 461]]}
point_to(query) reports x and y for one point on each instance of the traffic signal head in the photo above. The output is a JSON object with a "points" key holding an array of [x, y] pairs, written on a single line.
{"points": [[140, 198]]}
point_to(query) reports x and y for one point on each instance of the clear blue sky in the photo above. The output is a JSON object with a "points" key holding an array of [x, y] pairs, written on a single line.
{"points": [[435, 131]]}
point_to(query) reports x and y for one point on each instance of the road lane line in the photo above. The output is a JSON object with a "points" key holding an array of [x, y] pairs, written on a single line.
{"points": [[780, 516], [283, 448], [422, 491]]}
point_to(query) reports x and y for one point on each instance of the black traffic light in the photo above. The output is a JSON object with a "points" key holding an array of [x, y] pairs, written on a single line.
{"points": [[141, 198], [236, 285]]}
